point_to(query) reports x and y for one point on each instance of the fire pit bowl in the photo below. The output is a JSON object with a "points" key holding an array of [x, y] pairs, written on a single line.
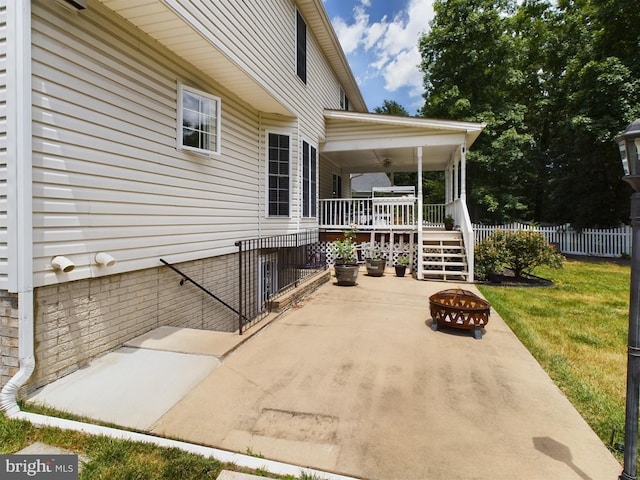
{"points": [[459, 308]]}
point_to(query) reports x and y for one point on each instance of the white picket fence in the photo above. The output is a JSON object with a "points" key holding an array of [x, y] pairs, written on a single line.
{"points": [[611, 242]]}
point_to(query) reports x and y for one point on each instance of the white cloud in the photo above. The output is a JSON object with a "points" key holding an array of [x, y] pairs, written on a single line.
{"points": [[403, 71], [391, 46]]}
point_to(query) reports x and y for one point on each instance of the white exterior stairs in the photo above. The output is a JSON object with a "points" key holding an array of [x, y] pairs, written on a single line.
{"points": [[443, 256]]}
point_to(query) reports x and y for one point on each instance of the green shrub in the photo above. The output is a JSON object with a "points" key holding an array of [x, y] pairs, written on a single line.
{"points": [[490, 255], [520, 251], [528, 250]]}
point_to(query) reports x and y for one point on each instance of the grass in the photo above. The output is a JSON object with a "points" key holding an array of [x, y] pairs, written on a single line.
{"points": [[577, 331], [122, 459]]}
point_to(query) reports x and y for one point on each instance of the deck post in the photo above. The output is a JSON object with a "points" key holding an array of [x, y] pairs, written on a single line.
{"points": [[420, 212]]}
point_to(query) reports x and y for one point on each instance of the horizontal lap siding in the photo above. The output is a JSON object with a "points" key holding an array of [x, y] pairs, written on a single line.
{"points": [[258, 35], [107, 175], [4, 247]]}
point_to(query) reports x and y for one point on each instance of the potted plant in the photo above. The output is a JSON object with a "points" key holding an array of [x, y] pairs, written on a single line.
{"points": [[375, 263], [401, 265], [344, 258], [448, 222]]}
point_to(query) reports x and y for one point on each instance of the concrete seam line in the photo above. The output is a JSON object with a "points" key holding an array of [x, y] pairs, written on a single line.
{"points": [[239, 459]]}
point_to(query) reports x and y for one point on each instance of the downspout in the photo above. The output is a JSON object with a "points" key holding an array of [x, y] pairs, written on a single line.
{"points": [[19, 153]]}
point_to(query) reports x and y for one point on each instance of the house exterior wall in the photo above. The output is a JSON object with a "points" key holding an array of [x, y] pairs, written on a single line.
{"points": [[107, 176], [8, 336], [80, 320]]}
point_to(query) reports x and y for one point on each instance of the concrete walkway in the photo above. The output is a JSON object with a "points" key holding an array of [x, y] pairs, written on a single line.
{"points": [[354, 381]]}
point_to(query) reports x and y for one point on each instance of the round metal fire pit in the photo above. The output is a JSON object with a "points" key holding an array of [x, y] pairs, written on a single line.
{"points": [[459, 308]]}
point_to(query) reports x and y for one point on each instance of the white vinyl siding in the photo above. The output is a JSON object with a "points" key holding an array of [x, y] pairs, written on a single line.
{"points": [[107, 176]]}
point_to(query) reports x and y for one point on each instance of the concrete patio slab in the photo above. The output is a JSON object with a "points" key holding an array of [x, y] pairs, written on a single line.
{"points": [[354, 381], [129, 387], [364, 387]]}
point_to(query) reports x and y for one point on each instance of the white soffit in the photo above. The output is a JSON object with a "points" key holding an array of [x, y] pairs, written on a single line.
{"points": [[171, 26]]}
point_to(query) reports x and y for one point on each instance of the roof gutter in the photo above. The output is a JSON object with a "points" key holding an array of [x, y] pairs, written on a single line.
{"points": [[19, 192]]}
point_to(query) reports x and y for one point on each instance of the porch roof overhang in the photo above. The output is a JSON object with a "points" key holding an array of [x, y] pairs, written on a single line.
{"points": [[199, 39], [366, 142]]}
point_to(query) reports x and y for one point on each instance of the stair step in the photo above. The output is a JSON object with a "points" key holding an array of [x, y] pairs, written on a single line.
{"points": [[444, 264], [442, 234], [441, 245], [440, 253], [443, 256], [444, 274]]}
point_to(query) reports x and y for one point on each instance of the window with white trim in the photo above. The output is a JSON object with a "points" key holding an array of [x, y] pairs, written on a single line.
{"points": [[301, 47], [198, 121], [309, 179], [278, 177], [344, 100]]}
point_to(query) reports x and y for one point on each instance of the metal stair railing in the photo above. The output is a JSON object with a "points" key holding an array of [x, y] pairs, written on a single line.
{"points": [[186, 278]]}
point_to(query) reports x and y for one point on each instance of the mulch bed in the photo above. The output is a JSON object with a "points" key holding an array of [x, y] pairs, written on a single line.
{"points": [[508, 279]]}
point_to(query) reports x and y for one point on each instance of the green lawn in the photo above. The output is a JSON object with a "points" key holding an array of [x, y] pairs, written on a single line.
{"points": [[109, 458], [577, 331]]}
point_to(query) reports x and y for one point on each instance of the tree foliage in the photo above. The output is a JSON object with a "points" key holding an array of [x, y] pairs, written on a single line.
{"points": [[391, 107], [555, 83]]}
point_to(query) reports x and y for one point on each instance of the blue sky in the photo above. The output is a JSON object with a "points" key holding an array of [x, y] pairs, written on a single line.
{"points": [[380, 39]]}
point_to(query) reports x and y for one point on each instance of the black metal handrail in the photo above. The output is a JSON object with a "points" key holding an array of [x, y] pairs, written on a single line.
{"points": [[211, 294], [289, 258]]}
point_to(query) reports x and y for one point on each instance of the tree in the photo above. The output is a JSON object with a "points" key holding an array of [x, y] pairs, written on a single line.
{"points": [[596, 97], [391, 107], [555, 84], [468, 59]]}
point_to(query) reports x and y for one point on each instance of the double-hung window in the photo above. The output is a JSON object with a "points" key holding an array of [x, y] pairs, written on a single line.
{"points": [[279, 184], [309, 179], [198, 121]]}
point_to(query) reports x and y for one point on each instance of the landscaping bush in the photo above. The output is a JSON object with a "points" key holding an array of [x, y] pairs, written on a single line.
{"points": [[490, 255], [520, 251]]}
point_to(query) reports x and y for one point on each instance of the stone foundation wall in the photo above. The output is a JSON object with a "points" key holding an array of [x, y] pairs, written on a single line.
{"points": [[8, 336]]}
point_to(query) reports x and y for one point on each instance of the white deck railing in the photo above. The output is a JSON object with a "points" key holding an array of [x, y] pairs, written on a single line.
{"points": [[375, 213]]}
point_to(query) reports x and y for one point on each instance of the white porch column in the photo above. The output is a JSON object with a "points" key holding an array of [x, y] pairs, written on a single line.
{"points": [[463, 173], [456, 188], [420, 212]]}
